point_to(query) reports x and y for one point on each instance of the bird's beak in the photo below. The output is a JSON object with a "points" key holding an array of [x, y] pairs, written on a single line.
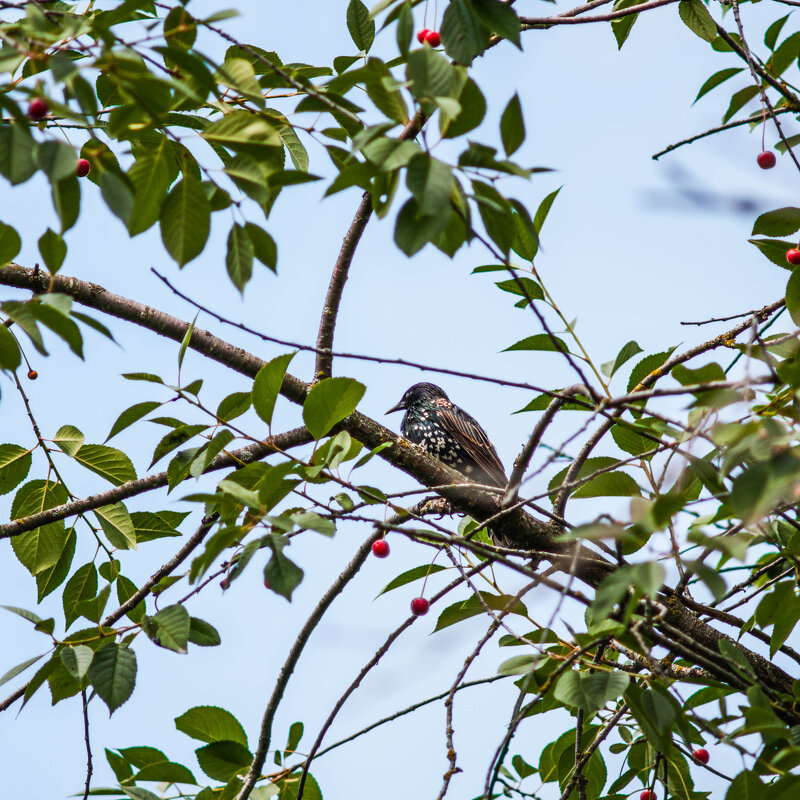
{"points": [[398, 407]]}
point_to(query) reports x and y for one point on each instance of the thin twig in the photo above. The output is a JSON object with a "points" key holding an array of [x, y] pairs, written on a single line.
{"points": [[547, 22], [88, 744], [265, 735]]}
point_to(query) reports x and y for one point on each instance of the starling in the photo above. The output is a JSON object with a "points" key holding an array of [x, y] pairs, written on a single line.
{"points": [[446, 431]]}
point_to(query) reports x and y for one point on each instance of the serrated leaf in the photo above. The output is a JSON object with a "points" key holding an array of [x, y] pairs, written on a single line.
{"points": [[512, 126], [14, 671], [15, 464], [590, 692], [77, 659], [211, 724], [329, 402], [716, 79], [464, 36], [267, 386], [82, 586], [239, 256], [113, 674], [117, 525], [131, 415], [10, 243], [281, 575], [107, 462], [360, 25], [781, 222], [222, 760], [185, 221], [172, 625], [203, 633], [472, 606], [414, 574], [697, 18]]}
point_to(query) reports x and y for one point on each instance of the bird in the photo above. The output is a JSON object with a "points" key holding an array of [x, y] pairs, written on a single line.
{"points": [[450, 434]]}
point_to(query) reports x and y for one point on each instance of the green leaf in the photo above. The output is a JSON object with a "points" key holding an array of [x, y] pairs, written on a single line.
{"points": [[309, 520], [67, 201], [774, 30], [329, 402], [647, 366], [264, 247], [185, 221], [82, 586], [56, 159], [414, 230], [222, 760], [69, 439], [117, 193], [53, 249], [113, 674], [781, 222], [10, 357], [654, 713], [607, 484], [203, 633], [697, 18], [10, 243], [77, 659], [239, 256], [14, 671], [739, 99], [281, 575], [793, 296], [16, 154], [211, 724], [522, 287], [431, 182], [267, 386], [590, 692], [246, 133], [174, 439], [171, 628], [234, 405], [166, 771], [39, 549], [473, 606], [540, 341], [500, 18], [627, 352], [117, 525], [473, 110], [360, 25], [785, 54], [774, 250], [429, 72], [131, 415], [716, 79], [512, 126], [414, 574], [126, 588], [15, 463], [464, 35], [107, 462]]}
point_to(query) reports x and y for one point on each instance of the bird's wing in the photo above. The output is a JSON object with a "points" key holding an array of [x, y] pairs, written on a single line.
{"points": [[466, 430]]}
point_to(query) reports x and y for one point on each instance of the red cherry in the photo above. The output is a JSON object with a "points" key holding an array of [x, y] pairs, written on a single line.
{"points": [[433, 39], [793, 256], [421, 35], [647, 794], [419, 606], [32, 374], [701, 755], [83, 168], [380, 548], [38, 108], [766, 159]]}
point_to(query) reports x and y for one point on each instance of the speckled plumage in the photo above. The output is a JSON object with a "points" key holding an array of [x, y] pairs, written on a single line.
{"points": [[447, 432]]}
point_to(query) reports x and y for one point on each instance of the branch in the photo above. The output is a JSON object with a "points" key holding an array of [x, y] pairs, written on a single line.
{"points": [[89, 768], [524, 458], [711, 132], [382, 650], [235, 458], [341, 269], [562, 19], [265, 735], [191, 543]]}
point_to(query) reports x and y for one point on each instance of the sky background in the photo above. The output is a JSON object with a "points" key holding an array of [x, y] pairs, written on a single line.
{"points": [[623, 252]]}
